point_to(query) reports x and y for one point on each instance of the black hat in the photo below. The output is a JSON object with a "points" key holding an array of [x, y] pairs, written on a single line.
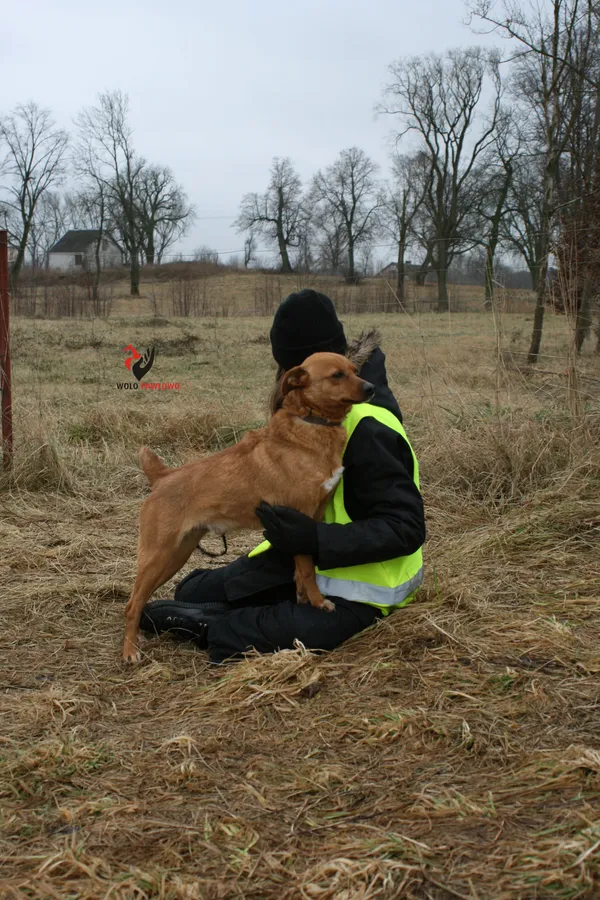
{"points": [[305, 323]]}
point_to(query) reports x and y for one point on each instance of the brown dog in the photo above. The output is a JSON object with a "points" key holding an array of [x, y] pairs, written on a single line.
{"points": [[295, 461]]}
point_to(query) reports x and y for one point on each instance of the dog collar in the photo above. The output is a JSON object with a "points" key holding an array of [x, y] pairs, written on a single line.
{"points": [[319, 420]]}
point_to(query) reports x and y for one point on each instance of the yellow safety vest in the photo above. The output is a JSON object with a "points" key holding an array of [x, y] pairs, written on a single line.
{"points": [[388, 584]]}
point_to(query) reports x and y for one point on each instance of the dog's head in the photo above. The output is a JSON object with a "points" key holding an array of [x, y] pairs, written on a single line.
{"points": [[326, 383]]}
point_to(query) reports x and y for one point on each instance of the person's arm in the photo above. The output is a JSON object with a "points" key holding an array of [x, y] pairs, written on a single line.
{"points": [[381, 498]]}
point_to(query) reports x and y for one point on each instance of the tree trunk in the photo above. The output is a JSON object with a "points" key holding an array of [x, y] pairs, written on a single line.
{"points": [[424, 269], [443, 304], [584, 314], [336, 254], [442, 274], [489, 276], [534, 271], [492, 244], [538, 317], [17, 265], [97, 270], [542, 278], [550, 175], [135, 273], [20, 257], [350, 259], [286, 265], [34, 250], [400, 276], [150, 251]]}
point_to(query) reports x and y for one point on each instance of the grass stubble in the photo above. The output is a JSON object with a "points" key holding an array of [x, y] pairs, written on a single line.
{"points": [[452, 751]]}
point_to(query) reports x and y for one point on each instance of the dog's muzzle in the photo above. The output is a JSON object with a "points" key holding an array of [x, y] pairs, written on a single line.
{"points": [[369, 390]]}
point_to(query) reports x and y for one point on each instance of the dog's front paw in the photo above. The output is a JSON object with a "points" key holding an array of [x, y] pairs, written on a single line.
{"points": [[328, 605], [131, 654]]}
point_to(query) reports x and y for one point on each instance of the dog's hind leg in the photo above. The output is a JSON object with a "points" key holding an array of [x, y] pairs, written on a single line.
{"points": [[156, 564], [307, 589]]}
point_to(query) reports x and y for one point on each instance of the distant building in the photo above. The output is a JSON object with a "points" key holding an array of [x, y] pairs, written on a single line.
{"points": [[391, 270], [77, 250]]}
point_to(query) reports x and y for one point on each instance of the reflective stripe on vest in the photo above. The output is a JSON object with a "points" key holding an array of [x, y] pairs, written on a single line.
{"points": [[388, 584], [374, 594]]}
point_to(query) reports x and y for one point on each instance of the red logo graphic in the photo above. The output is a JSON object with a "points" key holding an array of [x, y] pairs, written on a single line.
{"points": [[134, 355], [137, 364]]}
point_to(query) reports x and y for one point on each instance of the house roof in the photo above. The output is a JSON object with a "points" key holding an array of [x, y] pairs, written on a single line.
{"points": [[78, 241]]}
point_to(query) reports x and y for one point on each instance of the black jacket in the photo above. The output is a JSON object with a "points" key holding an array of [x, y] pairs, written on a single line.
{"points": [[380, 495]]}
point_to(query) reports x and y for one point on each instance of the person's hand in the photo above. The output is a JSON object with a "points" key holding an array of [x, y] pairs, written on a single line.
{"points": [[288, 530]]}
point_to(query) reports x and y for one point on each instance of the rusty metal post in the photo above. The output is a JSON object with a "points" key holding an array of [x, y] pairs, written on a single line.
{"points": [[5, 383]]}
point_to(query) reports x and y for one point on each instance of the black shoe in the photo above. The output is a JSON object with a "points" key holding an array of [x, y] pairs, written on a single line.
{"points": [[185, 621]]}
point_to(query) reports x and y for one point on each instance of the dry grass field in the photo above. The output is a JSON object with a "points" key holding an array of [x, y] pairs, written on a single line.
{"points": [[196, 289], [451, 752]]}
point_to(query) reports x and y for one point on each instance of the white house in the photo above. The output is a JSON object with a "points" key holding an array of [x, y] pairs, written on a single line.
{"points": [[77, 250], [391, 270]]}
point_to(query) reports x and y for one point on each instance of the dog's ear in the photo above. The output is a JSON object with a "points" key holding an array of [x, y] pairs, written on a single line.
{"points": [[294, 379]]}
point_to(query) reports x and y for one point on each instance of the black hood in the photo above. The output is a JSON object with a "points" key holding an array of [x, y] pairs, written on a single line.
{"points": [[366, 353]]}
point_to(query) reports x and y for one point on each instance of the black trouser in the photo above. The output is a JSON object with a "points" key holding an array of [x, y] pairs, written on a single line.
{"points": [[263, 613]]}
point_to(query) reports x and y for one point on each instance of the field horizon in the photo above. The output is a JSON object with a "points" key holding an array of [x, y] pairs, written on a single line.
{"points": [[199, 290]]}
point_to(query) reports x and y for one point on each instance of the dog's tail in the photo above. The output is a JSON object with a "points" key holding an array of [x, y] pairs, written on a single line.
{"points": [[153, 466]]}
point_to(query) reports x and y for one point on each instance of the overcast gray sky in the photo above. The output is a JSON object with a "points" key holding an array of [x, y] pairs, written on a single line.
{"points": [[217, 89]]}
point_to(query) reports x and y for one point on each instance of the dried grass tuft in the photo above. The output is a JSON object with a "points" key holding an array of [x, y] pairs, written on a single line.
{"points": [[40, 468]]}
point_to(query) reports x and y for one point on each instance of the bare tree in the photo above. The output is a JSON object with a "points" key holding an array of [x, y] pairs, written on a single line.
{"points": [[438, 99], [168, 232], [497, 192], [277, 214], [330, 239], [84, 210], [579, 216], [76, 212], [579, 264], [249, 248], [346, 195], [522, 225], [495, 179], [305, 258], [400, 203], [205, 254], [164, 213], [366, 259], [579, 181], [33, 163], [89, 209], [48, 225], [111, 160], [548, 57], [427, 241]]}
